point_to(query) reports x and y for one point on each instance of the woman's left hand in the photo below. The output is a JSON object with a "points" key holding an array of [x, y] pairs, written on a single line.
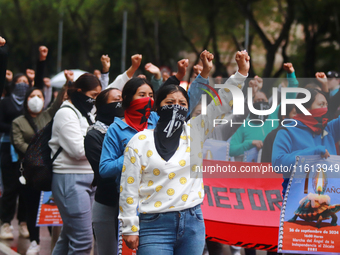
{"points": [[131, 241], [326, 155]]}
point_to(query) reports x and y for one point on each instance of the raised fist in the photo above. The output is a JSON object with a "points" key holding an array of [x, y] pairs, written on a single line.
{"points": [[43, 51], [69, 75], [142, 76], [47, 82], [206, 58], [256, 84], [97, 73], [242, 59], [136, 60], [288, 67], [197, 69], [154, 70], [2, 41], [30, 74], [182, 66], [321, 77], [165, 76], [9, 75], [105, 59]]}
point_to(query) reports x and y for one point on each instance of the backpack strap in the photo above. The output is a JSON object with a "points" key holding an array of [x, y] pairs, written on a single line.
{"points": [[56, 154], [67, 106], [60, 148]]}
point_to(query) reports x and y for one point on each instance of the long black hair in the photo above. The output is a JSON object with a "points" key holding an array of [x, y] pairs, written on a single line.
{"points": [[85, 82], [313, 93], [130, 90], [103, 96], [11, 85]]}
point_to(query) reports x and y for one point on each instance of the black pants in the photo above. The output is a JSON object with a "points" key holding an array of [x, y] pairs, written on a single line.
{"points": [[12, 187], [32, 198]]}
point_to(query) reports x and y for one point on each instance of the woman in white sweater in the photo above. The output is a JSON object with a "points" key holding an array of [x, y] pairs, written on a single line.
{"points": [[160, 177], [72, 173]]}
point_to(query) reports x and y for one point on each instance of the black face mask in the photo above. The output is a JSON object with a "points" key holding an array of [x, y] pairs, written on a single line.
{"points": [[106, 113], [84, 104], [260, 106], [169, 129]]}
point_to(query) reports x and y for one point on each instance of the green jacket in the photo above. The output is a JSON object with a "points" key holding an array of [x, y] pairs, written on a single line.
{"points": [[22, 132], [242, 139]]}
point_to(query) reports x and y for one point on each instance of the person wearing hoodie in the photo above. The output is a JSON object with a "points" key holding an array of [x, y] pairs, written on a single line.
{"points": [[312, 135], [252, 134]]}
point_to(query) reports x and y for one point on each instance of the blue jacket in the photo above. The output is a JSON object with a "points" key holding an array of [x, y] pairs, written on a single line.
{"points": [[300, 140], [117, 137]]}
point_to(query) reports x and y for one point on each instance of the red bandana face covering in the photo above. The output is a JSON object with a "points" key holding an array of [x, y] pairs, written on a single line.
{"points": [[316, 122], [138, 113]]}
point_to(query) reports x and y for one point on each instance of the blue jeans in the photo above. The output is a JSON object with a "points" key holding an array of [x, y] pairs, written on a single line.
{"points": [[172, 233]]}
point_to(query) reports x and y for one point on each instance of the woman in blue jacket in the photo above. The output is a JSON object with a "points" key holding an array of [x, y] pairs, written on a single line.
{"points": [[312, 135], [137, 102]]}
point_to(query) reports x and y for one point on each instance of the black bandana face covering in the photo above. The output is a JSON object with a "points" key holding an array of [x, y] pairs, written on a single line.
{"points": [[107, 113], [169, 128], [84, 104], [260, 106]]}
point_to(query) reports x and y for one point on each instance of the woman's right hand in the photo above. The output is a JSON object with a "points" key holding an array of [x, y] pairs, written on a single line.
{"points": [[131, 241]]}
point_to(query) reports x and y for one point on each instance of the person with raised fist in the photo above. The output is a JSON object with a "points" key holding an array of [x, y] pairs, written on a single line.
{"points": [[156, 78], [12, 107], [123, 78], [3, 64], [157, 177]]}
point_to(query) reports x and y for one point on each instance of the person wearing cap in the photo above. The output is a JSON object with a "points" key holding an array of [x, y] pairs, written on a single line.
{"points": [[333, 82]]}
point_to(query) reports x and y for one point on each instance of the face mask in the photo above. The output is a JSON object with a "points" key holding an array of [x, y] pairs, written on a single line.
{"points": [[317, 121], [35, 104], [169, 128], [84, 104], [106, 113], [19, 92], [138, 113], [172, 118], [260, 106]]}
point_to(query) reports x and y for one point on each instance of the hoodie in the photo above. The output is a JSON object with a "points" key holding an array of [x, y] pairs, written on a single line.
{"points": [[301, 141]]}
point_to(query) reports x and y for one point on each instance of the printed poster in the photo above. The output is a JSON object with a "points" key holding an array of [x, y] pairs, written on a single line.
{"points": [[311, 207], [48, 213]]}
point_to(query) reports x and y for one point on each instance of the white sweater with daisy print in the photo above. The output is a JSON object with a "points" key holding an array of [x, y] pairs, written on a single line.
{"points": [[154, 185]]}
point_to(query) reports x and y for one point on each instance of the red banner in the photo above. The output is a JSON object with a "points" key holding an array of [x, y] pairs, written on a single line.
{"points": [[243, 211]]}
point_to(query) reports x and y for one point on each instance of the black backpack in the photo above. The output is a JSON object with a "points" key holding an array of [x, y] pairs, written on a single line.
{"points": [[36, 166]]}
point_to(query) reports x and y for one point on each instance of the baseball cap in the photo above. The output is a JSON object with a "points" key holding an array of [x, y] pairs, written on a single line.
{"points": [[332, 74]]}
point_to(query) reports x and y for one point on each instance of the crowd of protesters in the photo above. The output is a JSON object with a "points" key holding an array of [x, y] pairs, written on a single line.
{"points": [[123, 151]]}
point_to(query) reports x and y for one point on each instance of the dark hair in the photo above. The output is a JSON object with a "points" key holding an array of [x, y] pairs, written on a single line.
{"points": [[14, 81], [85, 82], [313, 93], [312, 86], [103, 97], [130, 90], [166, 90], [26, 113]]}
